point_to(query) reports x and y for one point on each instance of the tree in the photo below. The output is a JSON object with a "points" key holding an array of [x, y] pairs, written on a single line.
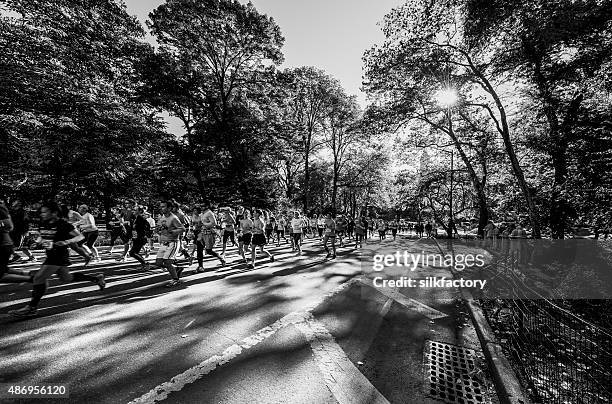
{"points": [[562, 50], [213, 72], [67, 103], [425, 51]]}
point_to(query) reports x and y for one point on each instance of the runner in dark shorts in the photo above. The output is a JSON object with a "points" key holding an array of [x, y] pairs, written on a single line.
{"points": [[6, 248], [139, 238], [55, 235], [259, 237]]}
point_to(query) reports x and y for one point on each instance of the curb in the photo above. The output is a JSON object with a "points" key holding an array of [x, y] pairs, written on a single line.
{"points": [[507, 385]]}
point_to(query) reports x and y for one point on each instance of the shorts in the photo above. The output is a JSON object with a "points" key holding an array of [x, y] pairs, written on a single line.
{"points": [[259, 240], [90, 238], [167, 250], [382, 232], [119, 234], [6, 251], [394, 232], [245, 238], [297, 237], [137, 245], [208, 239], [280, 232], [229, 235]]}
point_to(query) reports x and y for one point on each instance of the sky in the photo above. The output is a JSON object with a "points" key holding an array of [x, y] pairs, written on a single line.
{"points": [[329, 34]]}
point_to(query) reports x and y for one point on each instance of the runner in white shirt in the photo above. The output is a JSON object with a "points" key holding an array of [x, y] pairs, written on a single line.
{"points": [[208, 234], [89, 230], [297, 224]]}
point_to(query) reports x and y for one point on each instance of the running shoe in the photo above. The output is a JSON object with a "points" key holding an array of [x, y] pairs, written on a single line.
{"points": [[272, 258], [200, 270], [145, 267], [250, 266], [32, 258], [223, 262], [333, 257], [25, 311], [173, 283], [328, 255], [87, 261], [100, 281]]}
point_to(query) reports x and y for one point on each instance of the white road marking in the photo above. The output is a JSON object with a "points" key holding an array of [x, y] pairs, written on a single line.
{"points": [[198, 371], [343, 379], [407, 302]]}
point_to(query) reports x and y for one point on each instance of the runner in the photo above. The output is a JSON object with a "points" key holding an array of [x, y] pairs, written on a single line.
{"points": [[150, 234], [170, 230], [207, 235], [117, 229], [127, 218], [184, 219], [6, 248], [297, 223], [341, 228], [330, 234], [55, 234], [196, 228], [393, 226], [139, 237], [229, 228], [428, 229], [259, 238], [245, 229], [321, 226], [270, 224], [350, 228], [280, 229], [361, 227], [21, 225], [73, 218], [382, 230], [89, 230]]}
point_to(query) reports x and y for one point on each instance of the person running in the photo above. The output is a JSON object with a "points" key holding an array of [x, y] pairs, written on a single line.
{"points": [[6, 248], [150, 234], [297, 224], [21, 225], [280, 229], [428, 229], [259, 237], [127, 218], [245, 232], [382, 230], [170, 230], [321, 226], [73, 218], [89, 230], [139, 238], [117, 230], [361, 227], [270, 222], [56, 234], [330, 234], [340, 229], [350, 228], [229, 229], [184, 219], [393, 226], [196, 228], [207, 235]]}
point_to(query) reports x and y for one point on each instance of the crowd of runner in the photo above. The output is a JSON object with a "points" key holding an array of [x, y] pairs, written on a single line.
{"points": [[178, 230]]}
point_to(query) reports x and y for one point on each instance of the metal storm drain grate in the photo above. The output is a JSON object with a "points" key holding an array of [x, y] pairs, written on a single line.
{"points": [[452, 375]]}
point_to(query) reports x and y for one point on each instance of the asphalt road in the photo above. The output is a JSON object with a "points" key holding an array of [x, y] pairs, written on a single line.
{"points": [[299, 330]]}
